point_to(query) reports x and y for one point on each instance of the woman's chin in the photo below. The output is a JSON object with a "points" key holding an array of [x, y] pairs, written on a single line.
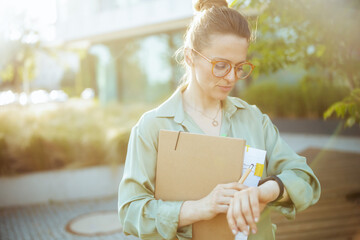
{"points": [[221, 96]]}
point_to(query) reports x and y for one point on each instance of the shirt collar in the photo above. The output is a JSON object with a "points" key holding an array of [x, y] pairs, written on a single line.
{"points": [[231, 105], [173, 106]]}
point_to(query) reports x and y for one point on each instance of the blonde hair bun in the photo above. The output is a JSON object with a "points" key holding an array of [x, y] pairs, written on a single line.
{"points": [[202, 5]]}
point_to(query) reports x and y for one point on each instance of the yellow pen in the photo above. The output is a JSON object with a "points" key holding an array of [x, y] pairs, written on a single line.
{"points": [[246, 174]]}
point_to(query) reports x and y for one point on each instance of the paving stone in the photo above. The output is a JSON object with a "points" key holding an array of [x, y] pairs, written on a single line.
{"points": [[48, 221]]}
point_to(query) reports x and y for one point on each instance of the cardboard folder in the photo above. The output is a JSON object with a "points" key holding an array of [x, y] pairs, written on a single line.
{"points": [[189, 166]]}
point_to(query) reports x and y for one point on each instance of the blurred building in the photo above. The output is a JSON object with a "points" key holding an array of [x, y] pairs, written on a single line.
{"points": [[130, 44], [103, 20], [123, 49]]}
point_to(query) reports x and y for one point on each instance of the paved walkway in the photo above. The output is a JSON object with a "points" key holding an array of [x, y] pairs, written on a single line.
{"points": [[48, 221]]}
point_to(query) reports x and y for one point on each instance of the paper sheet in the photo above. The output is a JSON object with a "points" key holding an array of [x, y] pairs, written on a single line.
{"points": [[256, 157]]}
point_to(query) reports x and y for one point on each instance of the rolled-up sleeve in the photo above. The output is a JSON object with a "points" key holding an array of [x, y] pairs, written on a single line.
{"points": [[140, 213], [299, 180]]}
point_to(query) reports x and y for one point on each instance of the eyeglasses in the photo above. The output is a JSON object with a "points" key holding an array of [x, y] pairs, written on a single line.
{"points": [[222, 68]]}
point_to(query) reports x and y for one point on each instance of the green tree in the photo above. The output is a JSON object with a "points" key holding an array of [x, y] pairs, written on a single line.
{"points": [[18, 63], [320, 35]]}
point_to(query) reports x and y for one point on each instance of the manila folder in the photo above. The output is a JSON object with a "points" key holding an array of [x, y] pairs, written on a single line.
{"points": [[189, 166]]}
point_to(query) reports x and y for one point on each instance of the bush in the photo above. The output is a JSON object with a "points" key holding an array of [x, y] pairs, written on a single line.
{"points": [[67, 135], [307, 99]]}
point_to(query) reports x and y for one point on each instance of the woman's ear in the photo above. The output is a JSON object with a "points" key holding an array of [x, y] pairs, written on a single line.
{"points": [[188, 57]]}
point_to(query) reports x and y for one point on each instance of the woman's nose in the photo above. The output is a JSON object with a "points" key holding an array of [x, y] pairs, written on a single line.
{"points": [[231, 76]]}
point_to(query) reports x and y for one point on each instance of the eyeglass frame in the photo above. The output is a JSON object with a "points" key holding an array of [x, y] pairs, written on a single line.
{"points": [[214, 62]]}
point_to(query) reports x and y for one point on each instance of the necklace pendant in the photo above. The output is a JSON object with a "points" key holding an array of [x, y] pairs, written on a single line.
{"points": [[215, 123]]}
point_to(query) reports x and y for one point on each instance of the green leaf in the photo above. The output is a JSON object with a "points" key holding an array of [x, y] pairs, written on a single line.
{"points": [[7, 74], [350, 122], [329, 112], [233, 3], [340, 109], [320, 50]]}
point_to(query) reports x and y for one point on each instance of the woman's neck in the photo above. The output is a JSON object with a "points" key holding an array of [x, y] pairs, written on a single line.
{"points": [[195, 96]]}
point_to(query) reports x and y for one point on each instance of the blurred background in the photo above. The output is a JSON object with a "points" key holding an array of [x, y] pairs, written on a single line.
{"points": [[76, 75]]}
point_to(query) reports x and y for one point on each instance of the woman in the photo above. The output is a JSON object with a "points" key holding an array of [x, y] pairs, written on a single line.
{"points": [[215, 52]]}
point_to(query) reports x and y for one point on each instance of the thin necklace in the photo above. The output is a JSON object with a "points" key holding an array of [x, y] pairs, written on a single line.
{"points": [[215, 123]]}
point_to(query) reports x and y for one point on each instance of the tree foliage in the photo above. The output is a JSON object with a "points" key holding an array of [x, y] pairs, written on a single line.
{"points": [[19, 61], [320, 35], [18, 65], [348, 109]]}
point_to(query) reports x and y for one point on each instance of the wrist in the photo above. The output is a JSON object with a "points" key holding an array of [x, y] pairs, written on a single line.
{"points": [[199, 209], [190, 212], [204, 211], [269, 191], [279, 187]]}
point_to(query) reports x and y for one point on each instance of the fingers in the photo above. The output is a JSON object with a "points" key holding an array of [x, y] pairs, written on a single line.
{"points": [[223, 195], [233, 185], [222, 208], [229, 192], [255, 206], [238, 214], [244, 211], [230, 218], [224, 200], [218, 200]]}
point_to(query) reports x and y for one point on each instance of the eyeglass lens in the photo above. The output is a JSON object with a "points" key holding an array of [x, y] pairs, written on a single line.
{"points": [[222, 68]]}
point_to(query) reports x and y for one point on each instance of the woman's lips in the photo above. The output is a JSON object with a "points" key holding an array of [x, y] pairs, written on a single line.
{"points": [[225, 88]]}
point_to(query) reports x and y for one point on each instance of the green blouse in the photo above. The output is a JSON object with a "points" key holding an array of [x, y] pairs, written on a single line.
{"points": [[143, 216]]}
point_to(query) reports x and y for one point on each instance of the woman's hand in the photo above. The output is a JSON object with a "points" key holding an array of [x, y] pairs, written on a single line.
{"points": [[246, 206], [218, 200]]}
